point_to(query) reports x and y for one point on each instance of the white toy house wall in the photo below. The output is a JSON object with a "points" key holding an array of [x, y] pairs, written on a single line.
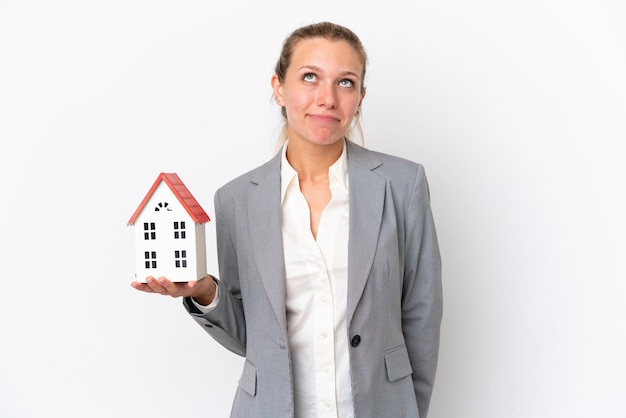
{"points": [[168, 241]]}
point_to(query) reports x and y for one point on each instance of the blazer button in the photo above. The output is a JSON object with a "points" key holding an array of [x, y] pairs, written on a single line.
{"points": [[356, 340]]}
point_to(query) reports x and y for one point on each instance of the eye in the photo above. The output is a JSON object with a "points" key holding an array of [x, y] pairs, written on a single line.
{"points": [[346, 82], [309, 77]]}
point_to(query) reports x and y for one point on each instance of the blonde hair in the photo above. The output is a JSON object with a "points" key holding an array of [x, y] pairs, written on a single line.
{"points": [[330, 31]]}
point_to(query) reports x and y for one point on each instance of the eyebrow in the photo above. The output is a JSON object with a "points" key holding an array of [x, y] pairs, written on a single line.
{"points": [[319, 69]]}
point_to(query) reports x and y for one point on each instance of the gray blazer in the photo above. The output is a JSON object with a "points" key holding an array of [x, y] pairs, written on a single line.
{"points": [[394, 289]]}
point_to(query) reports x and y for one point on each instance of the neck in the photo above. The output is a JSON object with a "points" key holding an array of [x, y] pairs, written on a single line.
{"points": [[311, 160]]}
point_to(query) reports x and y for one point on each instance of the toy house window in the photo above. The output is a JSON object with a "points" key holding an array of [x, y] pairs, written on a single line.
{"points": [[150, 259], [149, 231], [180, 258], [179, 230], [162, 206]]}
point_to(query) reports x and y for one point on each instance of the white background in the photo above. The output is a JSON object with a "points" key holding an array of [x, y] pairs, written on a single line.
{"points": [[517, 110]]}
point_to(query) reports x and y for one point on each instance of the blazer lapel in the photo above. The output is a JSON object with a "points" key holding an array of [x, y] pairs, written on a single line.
{"points": [[367, 197], [266, 241]]}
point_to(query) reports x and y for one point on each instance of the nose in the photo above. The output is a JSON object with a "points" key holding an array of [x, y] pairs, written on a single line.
{"points": [[327, 96]]}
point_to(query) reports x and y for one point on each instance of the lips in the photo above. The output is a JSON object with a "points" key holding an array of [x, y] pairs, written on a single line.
{"points": [[324, 118]]}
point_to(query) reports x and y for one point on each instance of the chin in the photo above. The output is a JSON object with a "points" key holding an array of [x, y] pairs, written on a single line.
{"points": [[329, 140]]}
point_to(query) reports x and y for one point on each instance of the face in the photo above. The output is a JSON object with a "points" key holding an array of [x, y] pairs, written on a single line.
{"points": [[321, 91]]}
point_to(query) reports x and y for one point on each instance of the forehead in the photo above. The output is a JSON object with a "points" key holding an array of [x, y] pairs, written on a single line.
{"points": [[326, 54]]}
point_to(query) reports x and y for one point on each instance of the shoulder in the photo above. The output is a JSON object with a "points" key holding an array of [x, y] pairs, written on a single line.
{"points": [[241, 184], [391, 167]]}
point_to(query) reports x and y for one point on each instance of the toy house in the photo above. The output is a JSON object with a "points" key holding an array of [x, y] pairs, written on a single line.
{"points": [[169, 232]]}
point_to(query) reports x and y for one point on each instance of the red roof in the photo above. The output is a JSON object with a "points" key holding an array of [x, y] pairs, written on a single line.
{"points": [[183, 195]]}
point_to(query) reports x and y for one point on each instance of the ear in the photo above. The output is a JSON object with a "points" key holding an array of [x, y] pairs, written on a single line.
{"points": [[358, 108], [362, 97], [277, 87]]}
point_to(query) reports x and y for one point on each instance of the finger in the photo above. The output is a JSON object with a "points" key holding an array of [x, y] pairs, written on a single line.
{"points": [[173, 289], [156, 286], [142, 287]]}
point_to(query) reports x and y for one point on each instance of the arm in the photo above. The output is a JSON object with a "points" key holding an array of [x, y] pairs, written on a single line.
{"points": [[422, 301], [225, 322]]}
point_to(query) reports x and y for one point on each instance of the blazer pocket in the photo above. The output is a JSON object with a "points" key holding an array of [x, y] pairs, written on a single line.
{"points": [[247, 381], [398, 363]]}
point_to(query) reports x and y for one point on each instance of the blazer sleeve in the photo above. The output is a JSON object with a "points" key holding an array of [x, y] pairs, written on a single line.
{"points": [[422, 296], [226, 322]]}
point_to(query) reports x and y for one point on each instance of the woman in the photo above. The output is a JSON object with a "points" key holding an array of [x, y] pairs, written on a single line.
{"points": [[330, 273]]}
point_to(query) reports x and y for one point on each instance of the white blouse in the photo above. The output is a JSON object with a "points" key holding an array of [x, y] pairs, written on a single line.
{"points": [[316, 295]]}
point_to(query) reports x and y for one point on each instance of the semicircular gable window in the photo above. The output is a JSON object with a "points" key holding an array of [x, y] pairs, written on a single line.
{"points": [[162, 206]]}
